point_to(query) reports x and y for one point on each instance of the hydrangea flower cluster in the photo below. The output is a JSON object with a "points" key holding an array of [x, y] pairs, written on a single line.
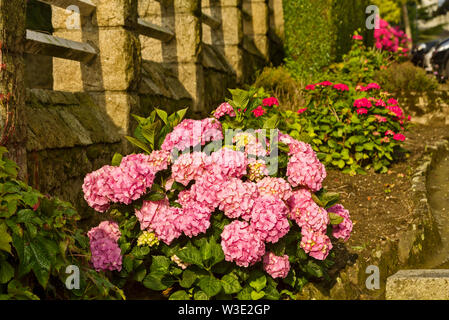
{"points": [[344, 229], [106, 254], [275, 266], [122, 184], [224, 109], [261, 207], [190, 133]]}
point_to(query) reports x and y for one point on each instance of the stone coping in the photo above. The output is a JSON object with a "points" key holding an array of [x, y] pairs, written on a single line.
{"points": [[57, 119]]}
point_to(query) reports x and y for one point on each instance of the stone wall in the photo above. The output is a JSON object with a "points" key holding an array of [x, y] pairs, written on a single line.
{"points": [[74, 115]]}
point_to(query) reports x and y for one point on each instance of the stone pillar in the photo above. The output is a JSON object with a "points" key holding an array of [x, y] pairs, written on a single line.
{"points": [[232, 26], [276, 17], [13, 131], [187, 45], [158, 13], [112, 78], [257, 27]]}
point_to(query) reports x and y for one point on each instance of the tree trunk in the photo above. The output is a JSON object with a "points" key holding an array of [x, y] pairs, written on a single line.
{"points": [[408, 29], [12, 85]]}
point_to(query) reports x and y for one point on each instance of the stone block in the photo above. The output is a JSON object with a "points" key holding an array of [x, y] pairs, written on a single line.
{"points": [[116, 68], [418, 285], [113, 13], [118, 106]]}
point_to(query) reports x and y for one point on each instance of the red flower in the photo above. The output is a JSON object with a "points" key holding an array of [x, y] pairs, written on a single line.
{"points": [[300, 111], [310, 87], [268, 102], [258, 112]]}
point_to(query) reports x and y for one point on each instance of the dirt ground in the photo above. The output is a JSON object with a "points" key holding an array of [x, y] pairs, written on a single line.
{"points": [[379, 204]]}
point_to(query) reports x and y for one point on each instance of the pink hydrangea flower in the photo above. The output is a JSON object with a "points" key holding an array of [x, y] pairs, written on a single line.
{"points": [[380, 118], [237, 198], [296, 146], [307, 213], [344, 229], [160, 218], [148, 211], [315, 244], [224, 109], [269, 218], [106, 254], [228, 163], [159, 160], [241, 244], [257, 169], [206, 188], [96, 189], [188, 167], [275, 266], [277, 187], [190, 133], [304, 169], [194, 219]]}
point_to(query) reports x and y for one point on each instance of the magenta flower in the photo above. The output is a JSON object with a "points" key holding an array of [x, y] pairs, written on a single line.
{"points": [[301, 111], [341, 87], [268, 102], [310, 87], [362, 111], [258, 112], [399, 137], [357, 37], [106, 254]]}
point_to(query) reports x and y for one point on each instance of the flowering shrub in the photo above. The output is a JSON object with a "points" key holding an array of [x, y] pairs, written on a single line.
{"points": [[354, 128], [391, 39], [248, 220], [39, 240]]}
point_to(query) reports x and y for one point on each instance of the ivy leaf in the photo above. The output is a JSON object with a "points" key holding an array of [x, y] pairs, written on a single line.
{"points": [[210, 285], [231, 284], [5, 238], [6, 272], [179, 295]]}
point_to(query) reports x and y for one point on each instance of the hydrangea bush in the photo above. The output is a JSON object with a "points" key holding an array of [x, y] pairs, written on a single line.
{"points": [[213, 209], [354, 128]]}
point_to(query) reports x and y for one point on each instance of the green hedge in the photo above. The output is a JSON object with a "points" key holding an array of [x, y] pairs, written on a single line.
{"points": [[319, 32]]}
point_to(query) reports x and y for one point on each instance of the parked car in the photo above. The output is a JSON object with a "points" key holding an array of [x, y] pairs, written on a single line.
{"points": [[422, 54], [440, 60]]}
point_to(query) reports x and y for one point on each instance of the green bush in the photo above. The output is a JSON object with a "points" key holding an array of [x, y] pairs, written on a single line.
{"points": [[38, 240], [354, 129], [279, 83], [319, 32], [405, 77]]}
